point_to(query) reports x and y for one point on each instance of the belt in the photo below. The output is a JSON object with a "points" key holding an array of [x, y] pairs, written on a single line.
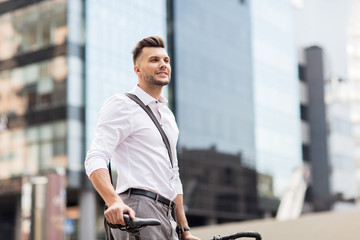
{"points": [[154, 196]]}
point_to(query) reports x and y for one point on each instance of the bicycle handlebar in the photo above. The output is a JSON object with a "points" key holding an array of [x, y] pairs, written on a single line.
{"points": [[255, 235], [135, 223]]}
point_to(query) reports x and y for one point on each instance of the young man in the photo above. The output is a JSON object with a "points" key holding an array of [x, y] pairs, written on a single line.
{"points": [[148, 183]]}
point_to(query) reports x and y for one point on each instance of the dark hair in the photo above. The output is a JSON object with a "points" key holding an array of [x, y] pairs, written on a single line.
{"points": [[153, 41]]}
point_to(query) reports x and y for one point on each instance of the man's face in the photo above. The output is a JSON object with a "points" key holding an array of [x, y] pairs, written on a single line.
{"points": [[153, 66]]}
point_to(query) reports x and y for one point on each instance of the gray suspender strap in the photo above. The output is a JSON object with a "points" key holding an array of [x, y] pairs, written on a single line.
{"points": [[156, 122]]}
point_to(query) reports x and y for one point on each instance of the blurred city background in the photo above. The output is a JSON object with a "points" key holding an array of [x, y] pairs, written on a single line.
{"points": [[266, 94]]}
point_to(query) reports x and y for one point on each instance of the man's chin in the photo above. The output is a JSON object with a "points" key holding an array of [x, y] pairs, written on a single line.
{"points": [[162, 82]]}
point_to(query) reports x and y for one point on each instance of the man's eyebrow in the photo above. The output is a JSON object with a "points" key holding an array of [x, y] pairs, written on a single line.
{"points": [[156, 56]]}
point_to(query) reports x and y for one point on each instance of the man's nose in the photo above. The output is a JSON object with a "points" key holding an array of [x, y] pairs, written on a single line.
{"points": [[163, 64]]}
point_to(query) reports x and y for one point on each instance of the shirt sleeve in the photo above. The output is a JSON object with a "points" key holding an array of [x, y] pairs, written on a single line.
{"points": [[178, 184], [112, 128]]}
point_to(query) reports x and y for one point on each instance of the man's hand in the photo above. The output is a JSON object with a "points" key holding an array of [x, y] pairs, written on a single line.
{"points": [[181, 218], [114, 213], [188, 236], [116, 207]]}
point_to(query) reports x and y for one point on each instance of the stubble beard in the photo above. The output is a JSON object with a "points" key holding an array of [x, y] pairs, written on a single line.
{"points": [[156, 82]]}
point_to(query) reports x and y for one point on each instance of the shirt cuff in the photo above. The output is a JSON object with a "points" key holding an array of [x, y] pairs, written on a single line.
{"points": [[95, 161], [179, 188]]}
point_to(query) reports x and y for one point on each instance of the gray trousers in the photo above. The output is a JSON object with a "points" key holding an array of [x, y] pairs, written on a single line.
{"points": [[146, 207]]}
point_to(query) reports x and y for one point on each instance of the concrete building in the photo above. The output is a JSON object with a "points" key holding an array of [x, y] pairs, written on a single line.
{"points": [[340, 81], [314, 130], [218, 187]]}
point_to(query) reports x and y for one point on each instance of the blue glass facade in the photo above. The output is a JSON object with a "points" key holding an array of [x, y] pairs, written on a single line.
{"points": [[113, 29], [75, 90], [214, 96], [276, 94], [236, 82]]}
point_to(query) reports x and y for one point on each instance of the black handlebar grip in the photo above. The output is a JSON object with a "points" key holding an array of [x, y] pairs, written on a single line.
{"points": [[255, 235]]}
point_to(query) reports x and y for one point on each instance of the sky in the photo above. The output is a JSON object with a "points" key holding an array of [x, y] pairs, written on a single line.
{"points": [[325, 23]]}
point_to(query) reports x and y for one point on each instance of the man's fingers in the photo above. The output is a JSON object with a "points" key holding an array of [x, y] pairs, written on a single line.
{"points": [[110, 216], [131, 213], [115, 215], [120, 218]]}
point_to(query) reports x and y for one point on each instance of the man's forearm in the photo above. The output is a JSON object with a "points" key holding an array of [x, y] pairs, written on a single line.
{"points": [[102, 183], [180, 213], [181, 218], [116, 207]]}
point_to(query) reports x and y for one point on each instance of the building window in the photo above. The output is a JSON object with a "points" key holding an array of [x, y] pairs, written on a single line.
{"points": [[228, 177], [227, 202], [301, 73], [31, 28], [306, 153], [304, 113]]}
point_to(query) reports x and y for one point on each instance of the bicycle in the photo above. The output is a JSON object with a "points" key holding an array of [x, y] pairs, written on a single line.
{"points": [[133, 227]]}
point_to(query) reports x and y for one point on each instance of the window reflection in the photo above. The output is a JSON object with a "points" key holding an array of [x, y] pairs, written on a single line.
{"points": [[33, 149], [33, 87], [32, 28]]}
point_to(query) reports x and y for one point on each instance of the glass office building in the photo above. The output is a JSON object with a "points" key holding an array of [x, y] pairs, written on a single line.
{"points": [[33, 110], [341, 76], [214, 107], [113, 29], [276, 91], [236, 82], [236, 85], [352, 93], [31, 87], [59, 61], [213, 76]]}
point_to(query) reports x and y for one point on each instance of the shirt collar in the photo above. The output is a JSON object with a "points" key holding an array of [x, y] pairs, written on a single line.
{"points": [[145, 97]]}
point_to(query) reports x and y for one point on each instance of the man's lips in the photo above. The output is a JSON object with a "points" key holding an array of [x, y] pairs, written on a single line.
{"points": [[162, 73]]}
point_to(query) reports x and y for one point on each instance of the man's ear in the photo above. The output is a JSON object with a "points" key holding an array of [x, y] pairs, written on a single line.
{"points": [[137, 70]]}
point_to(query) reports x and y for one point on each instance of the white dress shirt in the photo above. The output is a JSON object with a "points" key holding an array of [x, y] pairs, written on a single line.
{"points": [[126, 135]]}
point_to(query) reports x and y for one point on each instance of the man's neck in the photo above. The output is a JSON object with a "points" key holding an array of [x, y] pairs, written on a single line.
{"points": [[154, 91]]}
